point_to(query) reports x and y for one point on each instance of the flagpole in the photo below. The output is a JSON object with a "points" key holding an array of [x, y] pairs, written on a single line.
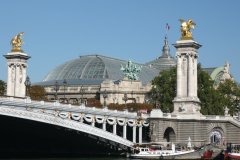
{"points": [[167, 28]]}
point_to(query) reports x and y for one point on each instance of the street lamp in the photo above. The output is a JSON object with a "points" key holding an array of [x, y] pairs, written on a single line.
{"points": [[64, 88], [81, 92], [27, 84], [104, 97], [155, 97], [238, 109], [56, 88], [125, 99]]}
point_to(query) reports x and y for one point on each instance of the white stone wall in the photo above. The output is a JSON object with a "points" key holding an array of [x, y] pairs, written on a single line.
{"points": [[115, 92]]}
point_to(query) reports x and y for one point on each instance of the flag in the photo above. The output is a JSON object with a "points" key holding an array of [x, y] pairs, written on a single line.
{"points": [[167, 27]]}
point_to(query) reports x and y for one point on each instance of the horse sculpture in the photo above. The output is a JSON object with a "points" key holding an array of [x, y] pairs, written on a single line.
{"points": [[186, 27], [17, 42]]}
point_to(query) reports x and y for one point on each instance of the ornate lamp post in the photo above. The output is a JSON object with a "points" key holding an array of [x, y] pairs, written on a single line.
{"points": [[238, 109], [125, 99], [155, 97], [64, 88], [81, 92], [104, 97], [27, 84], [56, 88]]}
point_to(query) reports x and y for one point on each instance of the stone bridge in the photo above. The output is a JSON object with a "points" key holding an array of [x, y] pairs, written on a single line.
{"points": [[79, 118]]}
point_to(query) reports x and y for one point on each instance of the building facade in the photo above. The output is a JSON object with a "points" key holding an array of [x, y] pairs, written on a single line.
{"points": [[88, 76]]}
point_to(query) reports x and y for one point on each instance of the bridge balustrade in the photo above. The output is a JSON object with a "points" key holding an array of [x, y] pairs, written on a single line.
{"points": [[83, 114]]}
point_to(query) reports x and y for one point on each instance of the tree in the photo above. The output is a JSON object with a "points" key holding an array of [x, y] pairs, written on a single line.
{"points": [[37, 93], [209, 97], [213, 101], [164, 89], [230, 94], [3, 88]]}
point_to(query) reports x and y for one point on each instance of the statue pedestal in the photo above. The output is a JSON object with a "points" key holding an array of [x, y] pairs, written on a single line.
{"points": [[186, 105], [186, 100]]}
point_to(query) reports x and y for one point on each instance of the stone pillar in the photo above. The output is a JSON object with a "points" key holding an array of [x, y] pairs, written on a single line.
{"points": [[190, 76], [125, 131], [17, 66], [195, 79], [140, 134], [179, 74], [134, 133], [186, 100]]}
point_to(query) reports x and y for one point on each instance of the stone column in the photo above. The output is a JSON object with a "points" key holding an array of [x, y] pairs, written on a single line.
{"points": [[195, 79], [179, 74], [140, 134], [16, 73], [190, 76], [18, 87], [10, 80], [134, 133], [186, 100]]}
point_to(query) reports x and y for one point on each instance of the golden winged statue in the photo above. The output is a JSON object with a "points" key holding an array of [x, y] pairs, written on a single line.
{"points": [[17, 42], [186, 27]]}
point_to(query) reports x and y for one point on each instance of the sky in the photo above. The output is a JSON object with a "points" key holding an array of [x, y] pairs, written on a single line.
{"points": [[57, 31]]}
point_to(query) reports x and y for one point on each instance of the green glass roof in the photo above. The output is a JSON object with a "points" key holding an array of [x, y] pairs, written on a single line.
{"points": [[94, 69]]}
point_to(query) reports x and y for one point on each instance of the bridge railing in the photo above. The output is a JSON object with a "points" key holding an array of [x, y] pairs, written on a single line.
{"points": [[10, 101], [82, 114]]}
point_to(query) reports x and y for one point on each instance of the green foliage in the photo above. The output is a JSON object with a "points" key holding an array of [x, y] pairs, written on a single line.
{"points": [[3, 88], [230, 95], [209, 97], [164, 89], [213, 101]]}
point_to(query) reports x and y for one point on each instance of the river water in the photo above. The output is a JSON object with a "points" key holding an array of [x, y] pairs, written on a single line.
{"points": [[83, 158]]}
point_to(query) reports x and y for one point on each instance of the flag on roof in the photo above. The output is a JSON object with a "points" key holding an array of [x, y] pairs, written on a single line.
{"points": [[167, 26]]}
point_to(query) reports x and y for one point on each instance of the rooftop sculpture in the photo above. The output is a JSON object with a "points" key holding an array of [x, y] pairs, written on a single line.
{"points": [[186, 27], [17, 42], [131, 71]]}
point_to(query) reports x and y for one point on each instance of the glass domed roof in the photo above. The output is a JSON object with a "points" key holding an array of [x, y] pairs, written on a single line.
{"points": [[93, 69]]}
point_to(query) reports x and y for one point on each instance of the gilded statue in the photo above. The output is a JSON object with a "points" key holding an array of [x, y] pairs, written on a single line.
{"points": [[186, 27], [17, 42]]}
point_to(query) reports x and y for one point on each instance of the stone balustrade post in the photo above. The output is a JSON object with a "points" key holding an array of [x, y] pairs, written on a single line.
{"points": [[93, 121], [104, 125], [125, 131], [115, 128], [140, 134], [134, 133]]}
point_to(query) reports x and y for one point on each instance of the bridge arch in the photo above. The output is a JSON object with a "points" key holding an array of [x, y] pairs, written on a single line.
{"points": [[67, 123], [216, 133], [169, 135]]}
